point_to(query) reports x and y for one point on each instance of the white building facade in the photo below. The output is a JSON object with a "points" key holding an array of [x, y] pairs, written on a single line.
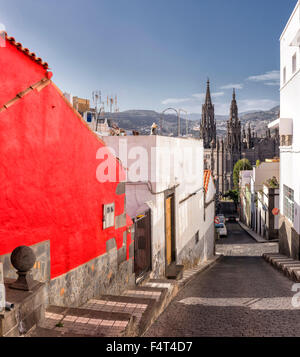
{"points": [[260, 175], [165, 181], [289, 130]]}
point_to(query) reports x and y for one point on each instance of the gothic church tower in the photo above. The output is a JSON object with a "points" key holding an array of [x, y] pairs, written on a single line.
{"points": [[234, 140], [208, 130]]}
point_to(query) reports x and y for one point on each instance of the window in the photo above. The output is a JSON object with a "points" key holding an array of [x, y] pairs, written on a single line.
{"points": [[284, 75], [288, 203], [108, 215], [89, 117], [294, 63]]}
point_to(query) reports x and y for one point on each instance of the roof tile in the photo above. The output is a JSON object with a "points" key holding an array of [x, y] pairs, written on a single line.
{"points": [[26, 51]]}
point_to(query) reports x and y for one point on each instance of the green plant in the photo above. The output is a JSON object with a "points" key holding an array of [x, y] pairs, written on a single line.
{"points": [[241, 165], [273, 182], [233, 195]]}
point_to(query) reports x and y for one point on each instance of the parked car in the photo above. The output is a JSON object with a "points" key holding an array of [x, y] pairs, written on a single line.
{"points": [[221, 229]]}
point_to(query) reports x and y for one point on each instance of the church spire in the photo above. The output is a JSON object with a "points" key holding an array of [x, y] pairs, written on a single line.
{"points": [[208, 130], [234, 139], [208, 96], [234, 109]]}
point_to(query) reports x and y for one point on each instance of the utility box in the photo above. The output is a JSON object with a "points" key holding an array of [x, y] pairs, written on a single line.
{"points": [[108, 215]]}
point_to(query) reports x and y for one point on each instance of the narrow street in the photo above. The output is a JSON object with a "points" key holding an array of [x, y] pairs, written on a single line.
{"points": [[241, 295]]}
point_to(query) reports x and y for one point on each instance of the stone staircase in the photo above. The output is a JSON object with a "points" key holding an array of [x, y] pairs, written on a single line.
{"points": [[126, 315], [288, 266]]}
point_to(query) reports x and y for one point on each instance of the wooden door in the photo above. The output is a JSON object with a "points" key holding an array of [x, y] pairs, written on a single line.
{"points": [[169, 230], [142, 245]]}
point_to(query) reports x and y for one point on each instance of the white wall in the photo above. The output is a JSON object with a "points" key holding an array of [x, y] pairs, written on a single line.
{"points": [[290, 108], [165, 160], [265, 171]]}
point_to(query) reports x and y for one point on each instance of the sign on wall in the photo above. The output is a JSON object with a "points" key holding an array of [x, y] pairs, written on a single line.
{"points": [[2, 289]]}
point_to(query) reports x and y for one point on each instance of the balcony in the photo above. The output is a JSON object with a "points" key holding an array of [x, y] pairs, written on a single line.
{"points": [[285, 126]]}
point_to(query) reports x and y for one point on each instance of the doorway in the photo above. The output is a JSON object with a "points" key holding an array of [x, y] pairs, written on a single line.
{"points": [[170, 229], [142, 245]]}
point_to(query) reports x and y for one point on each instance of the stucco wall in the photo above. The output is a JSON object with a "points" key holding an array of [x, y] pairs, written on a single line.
{"points": [[49, 189], [290, 109], [165, 172]]}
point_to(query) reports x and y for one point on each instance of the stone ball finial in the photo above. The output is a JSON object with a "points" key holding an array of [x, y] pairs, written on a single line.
{"points": [[23, 258]]}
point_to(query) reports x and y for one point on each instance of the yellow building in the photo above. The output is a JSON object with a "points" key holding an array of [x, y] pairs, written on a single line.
{"points": [[81, 105]]}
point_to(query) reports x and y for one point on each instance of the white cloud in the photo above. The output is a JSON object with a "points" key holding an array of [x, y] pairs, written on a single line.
{"points": [[266, 78], [231, 86], [246, 105], [175, 101], [277, 84], [256, 104]]}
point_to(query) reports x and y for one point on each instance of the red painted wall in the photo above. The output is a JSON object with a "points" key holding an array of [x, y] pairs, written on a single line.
{"points": [[48, 185]]}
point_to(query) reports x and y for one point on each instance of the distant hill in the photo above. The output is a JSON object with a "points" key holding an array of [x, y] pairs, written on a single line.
{"points": [[141, 120]]}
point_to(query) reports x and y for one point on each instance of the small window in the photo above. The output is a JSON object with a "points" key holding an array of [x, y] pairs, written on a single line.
{"points": [[288, 203], [284, 75], [89, 117], [108, 215], [294, 63]]}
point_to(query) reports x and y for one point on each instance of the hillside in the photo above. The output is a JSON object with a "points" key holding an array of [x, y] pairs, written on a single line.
{"points": [[141, 120]]}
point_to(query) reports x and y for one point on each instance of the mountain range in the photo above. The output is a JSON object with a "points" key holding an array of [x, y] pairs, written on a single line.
{"points": [[141, 121]]}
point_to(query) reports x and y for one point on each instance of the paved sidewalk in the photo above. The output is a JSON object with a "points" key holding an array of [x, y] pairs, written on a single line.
{"points": [[254, 235], [240, 296]]}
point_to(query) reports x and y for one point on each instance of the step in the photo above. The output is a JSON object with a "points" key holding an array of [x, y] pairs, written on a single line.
{"points": [[269, 256], [174, 272], [290, 269], [278, 263], [147, 292], [143, 309], [161, 283], [289, 266], [86, 322]]}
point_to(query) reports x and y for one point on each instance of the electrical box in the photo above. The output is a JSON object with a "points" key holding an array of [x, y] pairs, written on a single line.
{"points": [[108, 215]]}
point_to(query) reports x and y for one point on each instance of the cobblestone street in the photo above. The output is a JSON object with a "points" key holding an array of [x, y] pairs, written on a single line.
{"points": [[241, 295]]}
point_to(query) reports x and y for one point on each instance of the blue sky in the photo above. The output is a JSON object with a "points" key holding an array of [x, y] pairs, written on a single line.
{"points": [[158, 53]]}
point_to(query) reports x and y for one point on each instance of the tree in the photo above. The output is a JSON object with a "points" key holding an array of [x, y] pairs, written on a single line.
{"points": [[233, 195], [241, 165]]}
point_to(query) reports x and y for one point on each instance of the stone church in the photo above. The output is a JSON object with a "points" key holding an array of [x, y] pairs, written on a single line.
{"points": [[221, 154]]}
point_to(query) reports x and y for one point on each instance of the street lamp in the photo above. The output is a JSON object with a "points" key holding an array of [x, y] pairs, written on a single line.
{"points": [[163, 112], [178, 118]]}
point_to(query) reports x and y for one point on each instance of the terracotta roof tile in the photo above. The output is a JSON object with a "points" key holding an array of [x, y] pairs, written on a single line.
{"points": [[26, 51]]}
